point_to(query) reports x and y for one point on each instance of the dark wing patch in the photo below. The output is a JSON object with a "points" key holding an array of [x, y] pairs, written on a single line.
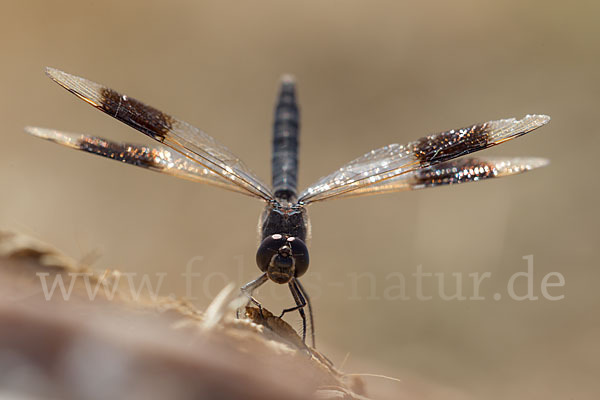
{"points": [[180, 136], [462, 170], [389, 162], [159, 159], [136, 114], [451, 144], [455, 171], [130, 154]]}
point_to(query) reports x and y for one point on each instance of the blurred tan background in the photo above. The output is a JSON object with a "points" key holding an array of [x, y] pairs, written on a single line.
{"points": [[369, 74]]}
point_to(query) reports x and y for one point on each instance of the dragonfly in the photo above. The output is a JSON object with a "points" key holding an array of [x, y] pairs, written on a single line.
{"points": [[187, 152]]}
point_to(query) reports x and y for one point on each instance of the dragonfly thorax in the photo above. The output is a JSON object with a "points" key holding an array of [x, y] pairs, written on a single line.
{"points": [[286, 220]]}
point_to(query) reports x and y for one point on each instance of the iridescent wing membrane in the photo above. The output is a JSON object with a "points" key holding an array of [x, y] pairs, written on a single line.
{"points": [[215, 163], [159, 159], [429, 162], [462, 170]]}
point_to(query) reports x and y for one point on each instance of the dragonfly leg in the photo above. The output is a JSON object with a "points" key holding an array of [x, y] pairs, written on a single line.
{"points": [[303, 293], [300, 304], [250, 287]]}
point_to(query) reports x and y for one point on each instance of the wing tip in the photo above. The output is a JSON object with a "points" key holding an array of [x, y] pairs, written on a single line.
{"points": [[66, 139], [60, 77], [36, 131], [540, 119], [53, 73], [510, 166], [539, 162], [531, 162], [534, 119]]}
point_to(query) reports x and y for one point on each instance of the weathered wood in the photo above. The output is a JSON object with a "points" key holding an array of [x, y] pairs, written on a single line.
{"points": [[121, 347]]}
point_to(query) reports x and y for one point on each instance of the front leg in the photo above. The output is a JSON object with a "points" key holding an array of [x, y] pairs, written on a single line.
{"points": [[300, 304], [250, 287], [303, 293]]}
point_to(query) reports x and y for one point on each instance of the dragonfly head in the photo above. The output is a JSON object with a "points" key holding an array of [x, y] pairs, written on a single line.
{"points": [[282, 257]]}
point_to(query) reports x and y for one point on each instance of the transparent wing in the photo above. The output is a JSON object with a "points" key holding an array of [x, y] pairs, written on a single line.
{"points": [[180, 136], [462, 170], [391, 161], [159, 159]]}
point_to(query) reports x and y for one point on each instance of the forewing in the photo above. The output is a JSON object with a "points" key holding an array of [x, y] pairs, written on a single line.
{"points": [[462, 170], [159, 159], [391, 161], [180, 136]]}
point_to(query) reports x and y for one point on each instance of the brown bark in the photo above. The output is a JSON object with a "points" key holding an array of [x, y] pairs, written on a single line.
{"points": [[124, 348]]}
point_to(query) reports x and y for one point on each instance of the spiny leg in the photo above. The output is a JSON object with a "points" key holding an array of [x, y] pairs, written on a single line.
{"points": [[299, 298], [300, 304], [250, 287], [303, 293]]}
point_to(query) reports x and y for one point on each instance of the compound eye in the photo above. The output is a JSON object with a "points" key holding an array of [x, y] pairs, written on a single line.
{"points": [[300, 254], [267, 249]]}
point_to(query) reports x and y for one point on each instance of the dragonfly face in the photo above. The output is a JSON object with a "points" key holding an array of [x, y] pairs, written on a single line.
{"points": [[282, 257], [435, 160]]}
